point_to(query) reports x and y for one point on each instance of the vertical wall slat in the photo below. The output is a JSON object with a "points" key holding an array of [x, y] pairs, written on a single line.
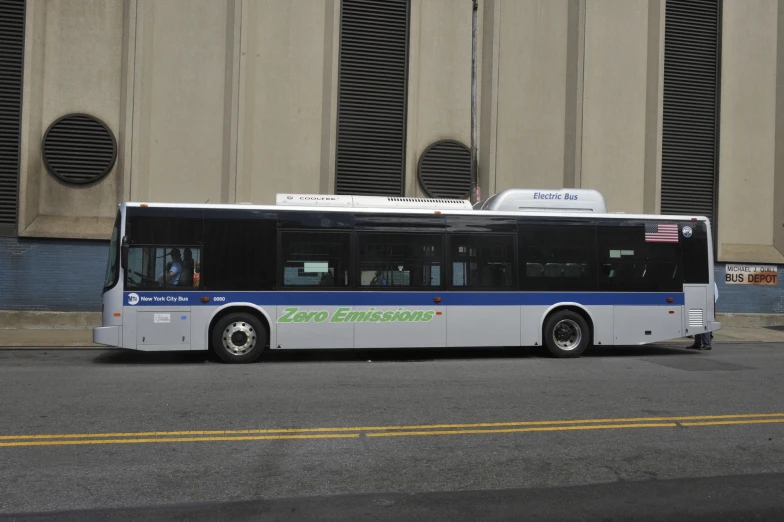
{"points": [[690, 140], [372, 97], [12, 15]]}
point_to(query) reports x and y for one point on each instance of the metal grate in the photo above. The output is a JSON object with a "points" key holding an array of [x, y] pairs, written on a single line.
{"points": [[371, 137], [691, 107], [424, 200], [79, 149], [12, 15], [445, 170], [696, 317]]}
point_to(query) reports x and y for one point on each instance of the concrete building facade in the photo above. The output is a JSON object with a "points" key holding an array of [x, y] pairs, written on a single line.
{"points": [[662, 105]]}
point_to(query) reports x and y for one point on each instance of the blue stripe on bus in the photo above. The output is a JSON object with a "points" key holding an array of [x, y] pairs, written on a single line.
{"points": [[394, 298]]}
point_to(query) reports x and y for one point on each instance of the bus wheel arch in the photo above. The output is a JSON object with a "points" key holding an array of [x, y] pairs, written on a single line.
{"points": [[574, 327], [244, 320]]}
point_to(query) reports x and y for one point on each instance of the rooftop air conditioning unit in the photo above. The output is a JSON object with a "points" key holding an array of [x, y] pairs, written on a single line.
{"points": [[533, 200], [327, 200]]}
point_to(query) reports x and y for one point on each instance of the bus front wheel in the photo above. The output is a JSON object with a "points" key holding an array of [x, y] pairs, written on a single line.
{"points": [[566, 334], [239, 338]]}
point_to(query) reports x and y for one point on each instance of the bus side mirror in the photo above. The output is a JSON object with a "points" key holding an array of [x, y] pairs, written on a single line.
{"points": [[124, 252]]}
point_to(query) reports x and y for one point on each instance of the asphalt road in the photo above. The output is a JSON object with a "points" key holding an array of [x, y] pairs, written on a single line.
{"points": [[646, 433]]}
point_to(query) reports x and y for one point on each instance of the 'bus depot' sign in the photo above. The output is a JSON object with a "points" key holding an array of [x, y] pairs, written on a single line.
{"points": [[751, 275]]}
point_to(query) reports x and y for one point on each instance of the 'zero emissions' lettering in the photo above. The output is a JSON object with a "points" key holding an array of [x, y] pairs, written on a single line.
{"points": [[345, 315]]}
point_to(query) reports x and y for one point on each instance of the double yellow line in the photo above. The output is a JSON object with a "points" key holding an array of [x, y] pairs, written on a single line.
{"points": [[483, 428]]}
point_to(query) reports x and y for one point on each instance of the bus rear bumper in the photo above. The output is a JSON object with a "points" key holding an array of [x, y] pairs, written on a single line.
{"points": [[713, 326], [108, 335]]}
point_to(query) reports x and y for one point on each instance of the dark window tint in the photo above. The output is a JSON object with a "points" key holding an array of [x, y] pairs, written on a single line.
{"points": [[113, 264], [481, 224], [239, 254], [482, 261], [695, 253], [316, 259], [558, 256], [299, 220], [634, 257], [168, 231], [400, 260], [157, 268], [399, 222]]}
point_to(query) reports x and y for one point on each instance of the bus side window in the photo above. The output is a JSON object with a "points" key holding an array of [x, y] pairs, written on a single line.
{"points": [[390, 260], [695, 254], [557, 256], [164, 250], [632, 264], [482, 261], [534, 270], [315, 259], [239, 254]]}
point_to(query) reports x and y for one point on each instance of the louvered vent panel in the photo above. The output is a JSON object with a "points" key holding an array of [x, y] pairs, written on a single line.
{"points": [[79, 149], [455, 202], [445, 170], [691, 87], [372, 97], [12, 14], [695, 317]]}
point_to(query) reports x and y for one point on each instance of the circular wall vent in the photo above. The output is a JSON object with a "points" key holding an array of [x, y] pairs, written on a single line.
{"points": [[79, 149], [444, 170]]}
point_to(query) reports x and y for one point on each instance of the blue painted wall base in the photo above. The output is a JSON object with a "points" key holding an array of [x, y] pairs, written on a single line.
{"points": [[52, 274], [749, 299]]}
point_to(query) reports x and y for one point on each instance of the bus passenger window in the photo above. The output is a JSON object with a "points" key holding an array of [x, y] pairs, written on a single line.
{"points": [[632, 264], [239, 254], [158, 268], [388, 260], [558, 256], [482, 261], [316, 259]]}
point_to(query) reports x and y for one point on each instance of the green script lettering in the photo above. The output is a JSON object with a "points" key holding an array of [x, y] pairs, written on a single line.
{"points": [[286, 317], [355, 316], [340, 315]]}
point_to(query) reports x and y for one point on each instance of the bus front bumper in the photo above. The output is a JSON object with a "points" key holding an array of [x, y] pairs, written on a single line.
{"points": [[108, 335]]}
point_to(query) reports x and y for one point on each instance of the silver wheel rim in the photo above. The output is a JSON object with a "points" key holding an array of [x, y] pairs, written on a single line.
{"points": [[239, 338], [567, 335]]}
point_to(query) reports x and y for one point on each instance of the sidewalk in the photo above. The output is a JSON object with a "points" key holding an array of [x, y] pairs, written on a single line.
{"points": [[48, 338]]}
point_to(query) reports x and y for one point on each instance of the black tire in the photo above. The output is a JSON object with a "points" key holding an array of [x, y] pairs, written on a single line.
{"points": [[566, 334], [246, 328]]}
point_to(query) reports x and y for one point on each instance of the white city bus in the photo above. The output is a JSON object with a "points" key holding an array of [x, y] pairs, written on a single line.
{"points": [[545, 268]]}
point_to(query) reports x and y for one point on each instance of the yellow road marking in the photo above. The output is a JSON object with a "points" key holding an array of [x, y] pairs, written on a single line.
{"points": [[520, 430], [179, 439], [724, 423], [385, 431], [384, 428]]}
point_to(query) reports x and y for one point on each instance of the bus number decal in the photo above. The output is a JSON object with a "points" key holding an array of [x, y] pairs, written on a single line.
{"points": [[219, 299]]}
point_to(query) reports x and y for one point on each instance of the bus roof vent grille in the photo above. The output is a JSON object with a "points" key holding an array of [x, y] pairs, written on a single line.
{"points": [[545, 200], [326, 200], [457, 203]]}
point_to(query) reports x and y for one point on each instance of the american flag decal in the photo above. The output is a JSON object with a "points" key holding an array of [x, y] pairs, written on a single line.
{"points": [[661, 233]]}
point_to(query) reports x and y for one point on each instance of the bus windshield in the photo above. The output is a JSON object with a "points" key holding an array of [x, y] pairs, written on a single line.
{"points": [[112, 266]]}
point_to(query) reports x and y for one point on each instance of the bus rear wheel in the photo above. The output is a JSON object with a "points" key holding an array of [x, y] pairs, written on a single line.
{"points": [[239, 338], [566, 334]]}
